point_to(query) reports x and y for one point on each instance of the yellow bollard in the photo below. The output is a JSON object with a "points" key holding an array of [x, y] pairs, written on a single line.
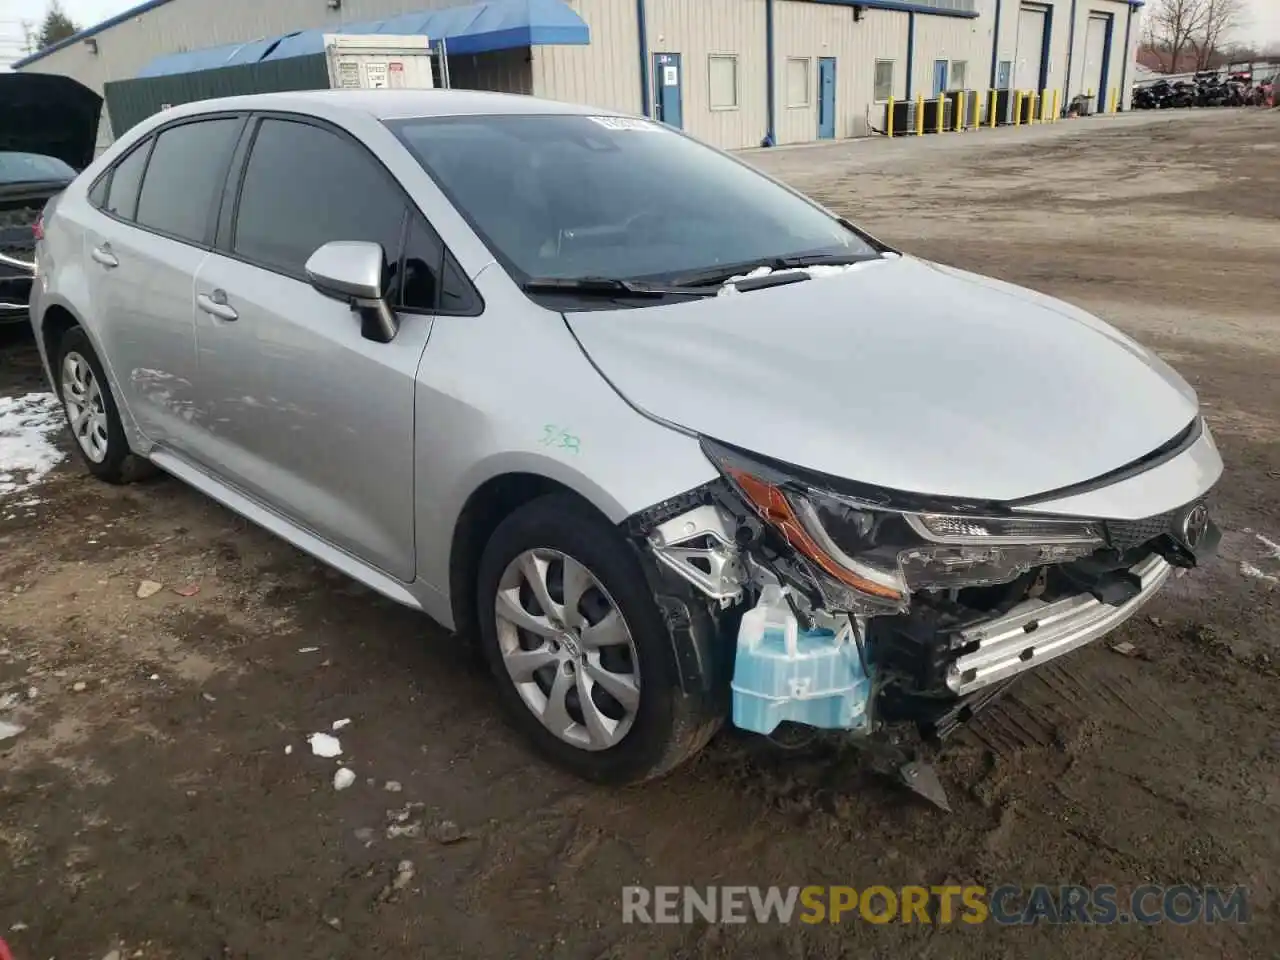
{"points": [[1017, 108], [1056, 113], [920, 115], [1115, 100], [888, 123], [1044, 106], [961, 111], [942, 114], [1035, 105], [993, 96]]}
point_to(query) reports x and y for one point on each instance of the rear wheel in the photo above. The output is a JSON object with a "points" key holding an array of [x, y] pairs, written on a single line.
{"points": [[92, 413], [582, 656]]}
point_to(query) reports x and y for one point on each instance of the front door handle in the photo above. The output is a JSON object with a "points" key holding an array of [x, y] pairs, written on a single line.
{"points": [[215, 304], [104, 256]]}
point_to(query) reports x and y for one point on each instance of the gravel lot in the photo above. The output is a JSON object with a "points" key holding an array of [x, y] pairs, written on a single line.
{"points": [[150, 805]]}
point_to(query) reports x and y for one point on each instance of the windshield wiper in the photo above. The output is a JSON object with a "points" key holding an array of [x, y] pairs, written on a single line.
{"points": [[608, 287], [719, 275]]}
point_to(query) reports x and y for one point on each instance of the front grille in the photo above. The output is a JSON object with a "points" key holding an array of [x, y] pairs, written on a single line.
{"points": [[1126, 534]]}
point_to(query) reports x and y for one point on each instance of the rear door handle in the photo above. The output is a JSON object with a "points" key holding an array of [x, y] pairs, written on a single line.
{"points": [[215, 304], [105, 257]]}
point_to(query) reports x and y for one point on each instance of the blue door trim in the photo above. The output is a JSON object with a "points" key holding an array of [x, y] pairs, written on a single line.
{"points": [[1071, 49], [1045, 46], [995, 45], [911, 50], [769, 136], [1106, 64], [1124, 61], [668, 99], [826, 98], [941, 77], [645, 80]]}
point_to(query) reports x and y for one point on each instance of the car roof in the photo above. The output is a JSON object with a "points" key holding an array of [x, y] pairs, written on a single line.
{"points": [[393, 104]]}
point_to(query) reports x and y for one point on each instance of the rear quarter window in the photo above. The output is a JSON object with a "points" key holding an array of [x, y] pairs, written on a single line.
{"points": [[122, 188]]}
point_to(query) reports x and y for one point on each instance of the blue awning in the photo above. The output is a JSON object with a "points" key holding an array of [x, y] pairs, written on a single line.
{"points": [[474, 28]]}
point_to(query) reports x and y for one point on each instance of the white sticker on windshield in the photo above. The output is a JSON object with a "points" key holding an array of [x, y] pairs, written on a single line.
{"points": [[625, 123]]}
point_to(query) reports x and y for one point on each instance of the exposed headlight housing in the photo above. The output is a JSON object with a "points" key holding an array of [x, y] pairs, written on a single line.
{"points": [[872, 554]]}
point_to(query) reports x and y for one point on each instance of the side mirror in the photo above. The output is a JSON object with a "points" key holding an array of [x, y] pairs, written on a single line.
{"points": [[354, 271]]}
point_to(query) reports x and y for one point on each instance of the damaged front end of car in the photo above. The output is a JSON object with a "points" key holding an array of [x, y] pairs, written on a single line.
{"points": [[808, 599]]}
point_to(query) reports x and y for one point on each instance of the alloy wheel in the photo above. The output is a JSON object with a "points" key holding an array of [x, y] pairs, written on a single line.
{"points": [[568, 649], [86, 410]]}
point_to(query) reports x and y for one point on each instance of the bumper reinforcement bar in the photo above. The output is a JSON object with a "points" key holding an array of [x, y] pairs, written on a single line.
{"points": [[1035, 632]]}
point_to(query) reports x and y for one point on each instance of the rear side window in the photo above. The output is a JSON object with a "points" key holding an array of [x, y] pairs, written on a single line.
{"points": [[186, 175], [305, 186], [122, 193]]}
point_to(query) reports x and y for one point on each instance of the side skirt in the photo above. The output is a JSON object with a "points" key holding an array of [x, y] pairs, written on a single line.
{"points": [[273, 522]]}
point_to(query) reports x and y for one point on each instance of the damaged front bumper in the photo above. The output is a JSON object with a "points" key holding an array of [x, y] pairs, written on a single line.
{"points": [[935, 659], [1035, 632]]}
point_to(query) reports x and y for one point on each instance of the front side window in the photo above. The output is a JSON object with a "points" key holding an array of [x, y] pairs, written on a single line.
{"points": [[305, 186], [569, 196], [185, 177], [126, 179]]}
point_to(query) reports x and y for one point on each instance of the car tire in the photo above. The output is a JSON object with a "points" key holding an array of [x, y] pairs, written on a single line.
{"points": [[555, 538], [91, 411]]}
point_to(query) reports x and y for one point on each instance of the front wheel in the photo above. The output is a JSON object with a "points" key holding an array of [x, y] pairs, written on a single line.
{"points": [[581, 654]]}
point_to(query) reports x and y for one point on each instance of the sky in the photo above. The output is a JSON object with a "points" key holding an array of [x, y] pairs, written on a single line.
{"points": [[1260, 25]]}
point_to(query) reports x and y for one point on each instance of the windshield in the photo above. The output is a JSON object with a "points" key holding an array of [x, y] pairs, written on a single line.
{"points": [[32, 167], [608, 197]]}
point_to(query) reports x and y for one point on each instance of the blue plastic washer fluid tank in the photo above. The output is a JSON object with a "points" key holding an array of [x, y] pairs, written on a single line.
{"points": [[781, 672]]}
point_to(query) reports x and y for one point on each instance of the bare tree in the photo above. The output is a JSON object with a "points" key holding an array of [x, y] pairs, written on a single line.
{"points": [[1219, 18], [1170, 27]]}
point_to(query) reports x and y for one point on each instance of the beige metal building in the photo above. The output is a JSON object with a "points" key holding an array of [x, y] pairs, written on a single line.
{"points": [[736, 73]]}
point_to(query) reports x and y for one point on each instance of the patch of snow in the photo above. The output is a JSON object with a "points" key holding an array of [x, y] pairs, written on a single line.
{"points": [[288, 749], [816, 272], [1249, 570], [1272, 547], [323, 745], [27, 427], [9, 730], [343, 778], [339, 724]]}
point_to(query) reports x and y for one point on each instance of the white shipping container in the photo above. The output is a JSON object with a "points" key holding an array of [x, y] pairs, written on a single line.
{"points": [[377, 62]]}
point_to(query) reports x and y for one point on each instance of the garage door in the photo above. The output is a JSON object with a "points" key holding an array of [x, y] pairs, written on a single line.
{"points": [[1030, 57], [1094, 80]]}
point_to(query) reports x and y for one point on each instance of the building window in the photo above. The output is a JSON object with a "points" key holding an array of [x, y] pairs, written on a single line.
{"points": [[1003, 72], [959, 74], [798, 82], [722, 74], [884, 80]]}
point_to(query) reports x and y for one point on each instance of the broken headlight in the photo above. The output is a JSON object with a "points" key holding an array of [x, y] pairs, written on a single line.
{"points": [[875, 553]]}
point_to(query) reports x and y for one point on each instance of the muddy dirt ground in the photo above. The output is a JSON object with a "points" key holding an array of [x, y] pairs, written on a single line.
{"points": [[150, 806]]}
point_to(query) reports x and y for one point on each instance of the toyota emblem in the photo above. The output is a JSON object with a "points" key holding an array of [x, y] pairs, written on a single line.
{"points": [[1194, 525]]}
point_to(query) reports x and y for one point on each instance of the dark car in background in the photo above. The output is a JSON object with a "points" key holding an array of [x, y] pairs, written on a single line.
{"points": [[48, 134]]}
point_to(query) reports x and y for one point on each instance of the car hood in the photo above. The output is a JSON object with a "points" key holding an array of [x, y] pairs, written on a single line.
{"points": [[49, 114], [902, 374]]}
